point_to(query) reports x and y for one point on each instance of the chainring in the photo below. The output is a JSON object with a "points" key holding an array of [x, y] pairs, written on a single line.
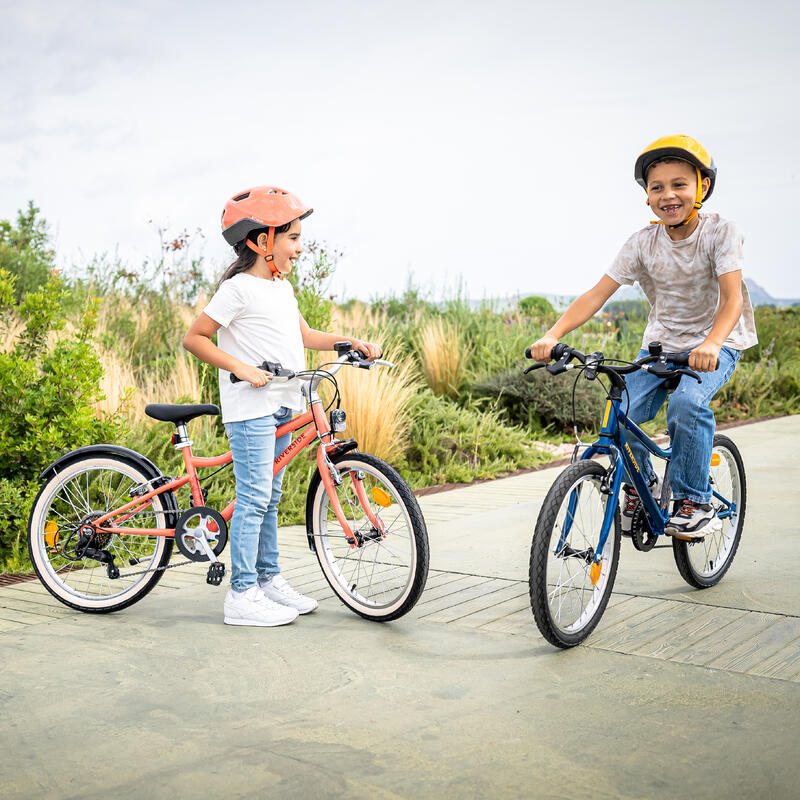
{"points": [[642, 537], [197, 522]]}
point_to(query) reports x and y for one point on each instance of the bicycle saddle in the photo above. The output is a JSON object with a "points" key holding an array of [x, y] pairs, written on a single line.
{"points": [[179, 413]]}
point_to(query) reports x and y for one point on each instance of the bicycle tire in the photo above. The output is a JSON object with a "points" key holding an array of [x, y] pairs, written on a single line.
{"points": [[703, 562], [565, 610], [84, 488], [383, 577]]}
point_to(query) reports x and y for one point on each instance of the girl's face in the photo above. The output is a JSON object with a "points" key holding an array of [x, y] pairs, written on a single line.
{"points": [[286, 248]]}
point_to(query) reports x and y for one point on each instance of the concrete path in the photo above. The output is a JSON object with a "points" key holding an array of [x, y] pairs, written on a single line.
{"points": [[677, 693]]}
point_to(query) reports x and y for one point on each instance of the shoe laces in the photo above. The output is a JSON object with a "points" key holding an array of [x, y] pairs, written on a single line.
{"points": [[631, 501], [285, 588], [688, 507]]}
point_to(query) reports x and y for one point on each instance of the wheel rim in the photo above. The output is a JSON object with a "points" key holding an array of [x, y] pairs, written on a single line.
{"points": [[378, 574], [573, 601], [81, 494], [709, 555]]}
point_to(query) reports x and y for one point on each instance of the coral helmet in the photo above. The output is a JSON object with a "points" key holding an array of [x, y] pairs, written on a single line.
{"points": [[684, 148], [260, 207]]}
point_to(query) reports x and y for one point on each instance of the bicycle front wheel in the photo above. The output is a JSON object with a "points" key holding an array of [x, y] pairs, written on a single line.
{"points": [[703, 562], [381, 573], [66, 549], [567, 604]]}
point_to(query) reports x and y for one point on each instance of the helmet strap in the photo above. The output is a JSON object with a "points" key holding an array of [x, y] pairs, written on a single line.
{"points": [[698, 204], [267, 254]]}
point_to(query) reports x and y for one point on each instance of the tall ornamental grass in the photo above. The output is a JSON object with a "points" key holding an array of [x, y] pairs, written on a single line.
{"points": [[443, 353]]}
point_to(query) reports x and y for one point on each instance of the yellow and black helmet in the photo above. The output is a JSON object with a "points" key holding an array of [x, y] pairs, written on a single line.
{"points": [[678, 146]]}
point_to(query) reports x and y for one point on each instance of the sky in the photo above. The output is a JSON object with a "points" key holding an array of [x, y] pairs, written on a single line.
{"points": [[483, 147]]}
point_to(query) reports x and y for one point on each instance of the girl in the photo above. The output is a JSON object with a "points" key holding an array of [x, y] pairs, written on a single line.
{"points": [[255, 314]]}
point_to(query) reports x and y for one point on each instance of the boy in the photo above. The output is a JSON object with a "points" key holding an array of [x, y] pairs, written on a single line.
{"points": [[689, 266]]}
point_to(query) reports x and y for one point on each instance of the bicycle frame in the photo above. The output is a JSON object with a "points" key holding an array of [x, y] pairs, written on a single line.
{"points": [[319, 430], [613, 443]]}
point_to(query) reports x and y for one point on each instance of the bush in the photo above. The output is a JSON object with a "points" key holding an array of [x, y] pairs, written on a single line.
{"points": [[535, 306], [539, 399], [451, 444], [47, 387], [24, 251], [778, 336]]}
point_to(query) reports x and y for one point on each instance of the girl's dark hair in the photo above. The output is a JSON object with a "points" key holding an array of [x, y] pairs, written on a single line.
{"points": [[245, 256]]}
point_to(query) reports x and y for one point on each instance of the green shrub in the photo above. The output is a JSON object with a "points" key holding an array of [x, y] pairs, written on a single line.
{"points": [[450, 443], [25, 251], [47, 386], [536, 306], [542, 400], [778, 336]]}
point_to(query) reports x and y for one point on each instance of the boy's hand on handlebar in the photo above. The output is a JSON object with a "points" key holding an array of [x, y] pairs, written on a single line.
{"points": [[704, 357], [540, 351], [369, 349], [253, 375]]}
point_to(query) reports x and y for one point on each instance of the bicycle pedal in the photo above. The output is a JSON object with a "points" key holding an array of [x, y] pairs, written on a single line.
{"points": [[216, 572]]}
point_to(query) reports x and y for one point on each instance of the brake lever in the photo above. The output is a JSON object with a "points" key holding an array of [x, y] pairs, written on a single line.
{"points": [[537, 365], [690, 372]]}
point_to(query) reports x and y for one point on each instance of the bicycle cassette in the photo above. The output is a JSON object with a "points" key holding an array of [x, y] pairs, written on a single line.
{"points": [[642, 537], [201, 522]]}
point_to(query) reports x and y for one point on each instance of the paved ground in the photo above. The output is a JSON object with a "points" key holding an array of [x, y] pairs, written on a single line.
{"points": [[677, 693]]}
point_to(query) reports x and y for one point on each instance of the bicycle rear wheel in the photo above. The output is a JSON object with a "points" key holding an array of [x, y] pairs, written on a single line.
{"points": [[383, 575], [566, 603], [704, 562], [60, 534]]}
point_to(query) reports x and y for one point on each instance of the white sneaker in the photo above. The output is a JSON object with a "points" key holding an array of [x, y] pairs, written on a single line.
{"points": [[278, 589], [252, 607]]}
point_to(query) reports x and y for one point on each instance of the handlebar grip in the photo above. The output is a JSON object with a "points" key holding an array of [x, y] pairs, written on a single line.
{"points": [[681, 359], [558, 351], [268, 366], [528, 353]]}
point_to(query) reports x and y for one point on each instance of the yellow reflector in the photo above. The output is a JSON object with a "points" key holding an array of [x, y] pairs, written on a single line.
{"points": [[715, 459], [594, 573], [381, 497], [51, 533]]}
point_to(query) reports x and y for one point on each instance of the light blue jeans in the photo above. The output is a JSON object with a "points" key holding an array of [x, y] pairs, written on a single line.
{"points": [[254, 525], [690, 423]]}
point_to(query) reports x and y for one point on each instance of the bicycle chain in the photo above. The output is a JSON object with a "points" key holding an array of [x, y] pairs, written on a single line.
{"points": [[156, 569]]}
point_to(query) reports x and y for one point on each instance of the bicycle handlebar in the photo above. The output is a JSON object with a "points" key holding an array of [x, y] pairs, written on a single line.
{"points": [[354, 358], [658, 363]]}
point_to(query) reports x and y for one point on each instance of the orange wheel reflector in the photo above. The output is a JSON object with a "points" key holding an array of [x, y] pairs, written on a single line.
{"points": [[716, 460], [594, 573], [51, 533], [381, 497]]}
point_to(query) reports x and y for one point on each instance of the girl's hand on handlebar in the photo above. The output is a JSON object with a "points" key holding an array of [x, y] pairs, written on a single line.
{"points": [[369, 349], [704, 357], [540, 351], [253, 375]]}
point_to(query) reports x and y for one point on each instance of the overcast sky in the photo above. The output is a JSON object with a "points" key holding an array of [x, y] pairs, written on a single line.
{"points": [[491, 143]]}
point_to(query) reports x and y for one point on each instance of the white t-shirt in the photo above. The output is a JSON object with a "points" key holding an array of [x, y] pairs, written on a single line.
{"points": [[260, 322], [680, 279]]}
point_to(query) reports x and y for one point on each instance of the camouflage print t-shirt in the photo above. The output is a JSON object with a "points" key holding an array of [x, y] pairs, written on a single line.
{"points": [[680, 279]]}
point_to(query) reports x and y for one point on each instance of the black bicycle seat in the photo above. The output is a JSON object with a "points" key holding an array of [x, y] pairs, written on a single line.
{"points": [[178, 414]]}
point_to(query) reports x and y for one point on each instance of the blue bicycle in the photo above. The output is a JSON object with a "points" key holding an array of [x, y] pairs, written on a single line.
{"points": [[576, 542]]}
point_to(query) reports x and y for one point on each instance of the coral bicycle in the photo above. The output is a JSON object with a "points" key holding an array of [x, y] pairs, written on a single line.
{"points": [[576, 542], [103, 525]]}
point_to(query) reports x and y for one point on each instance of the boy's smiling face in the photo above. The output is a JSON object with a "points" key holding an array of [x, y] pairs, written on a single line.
{"points": [[672, 190]]}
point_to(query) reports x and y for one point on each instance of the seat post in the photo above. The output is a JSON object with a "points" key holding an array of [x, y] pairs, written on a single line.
{"points": [[182, 439]]}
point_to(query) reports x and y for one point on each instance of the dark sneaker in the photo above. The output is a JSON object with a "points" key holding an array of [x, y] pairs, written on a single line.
{"points": [[631, 502], [692, 520]]}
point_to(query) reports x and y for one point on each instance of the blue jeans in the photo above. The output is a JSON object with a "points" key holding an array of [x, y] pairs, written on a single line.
{"points": [[254, 525], [690, 423]]}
